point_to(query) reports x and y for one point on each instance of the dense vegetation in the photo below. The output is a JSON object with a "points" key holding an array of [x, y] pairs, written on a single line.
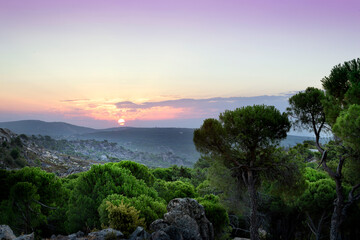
{"points": [[248, 184]]}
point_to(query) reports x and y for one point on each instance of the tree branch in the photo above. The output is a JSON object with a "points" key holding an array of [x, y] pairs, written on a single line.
{"points": [[54, 208], [310, 224], [340, 166], [351, 193]]}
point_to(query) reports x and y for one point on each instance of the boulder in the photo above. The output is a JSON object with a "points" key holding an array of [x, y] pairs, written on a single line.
{"points": [[185, 220], [6, 233], [139, 234], [158, 225], [108, 233], [160, 235], [174, 233]]}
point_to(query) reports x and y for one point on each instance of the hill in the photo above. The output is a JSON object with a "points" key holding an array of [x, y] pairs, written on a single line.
{"points": [[37, 127]]}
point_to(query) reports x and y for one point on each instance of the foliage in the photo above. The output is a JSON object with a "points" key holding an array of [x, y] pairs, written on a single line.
{"points": [[347, 127], [174, 173], [342, 88], [23, 196], [215, 213], [11, 154], [138, 170], [124, 218], [205, 188], [171, 190], [220, 182], [245, 141], [302, 152], [318, 196], [306, 109], [149, 208], [15, 153], [28, 197], [312, 175], [93, 186]]}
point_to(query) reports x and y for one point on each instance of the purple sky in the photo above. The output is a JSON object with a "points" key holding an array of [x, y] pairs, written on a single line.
{"points": [[157, 55]]}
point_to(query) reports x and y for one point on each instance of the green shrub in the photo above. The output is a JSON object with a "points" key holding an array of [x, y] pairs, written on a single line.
{"points": [[27, 191], [163, 173], [15, 153], [138, 170], [124, 218], [216, 214], [313, 175], [171, 190], [205, 188], [150, 209], [96, 184]]}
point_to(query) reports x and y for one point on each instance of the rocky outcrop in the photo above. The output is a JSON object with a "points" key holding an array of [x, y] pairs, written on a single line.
{"points": [[108, 233], [6, 233], [185, 220], [6, 135]]}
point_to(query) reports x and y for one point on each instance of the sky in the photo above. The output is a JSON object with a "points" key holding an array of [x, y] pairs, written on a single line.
{"points": [[164, 63]]}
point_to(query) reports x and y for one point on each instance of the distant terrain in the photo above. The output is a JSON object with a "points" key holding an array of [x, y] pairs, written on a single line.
{"points": [[154, 147]]}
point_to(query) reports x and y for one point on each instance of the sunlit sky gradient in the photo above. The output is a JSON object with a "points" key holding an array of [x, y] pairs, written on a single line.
{"points": [[162, 63]]}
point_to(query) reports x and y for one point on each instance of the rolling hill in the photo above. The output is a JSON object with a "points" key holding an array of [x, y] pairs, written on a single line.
{"points": [[37, 127]]}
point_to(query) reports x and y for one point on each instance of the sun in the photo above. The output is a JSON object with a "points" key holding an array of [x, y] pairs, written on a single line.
{"points": [[121, 122]]}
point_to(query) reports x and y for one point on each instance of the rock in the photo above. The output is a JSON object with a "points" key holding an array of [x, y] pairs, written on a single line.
{"points": [[160, 235], [106, 234], [59, 237], [205, 228], [185, 220], [26, 237], [6, 135], [158, 225], [79, 234], [6, 233], [139, 234], [72, 236], [187, 206], [174, 233], [188, 227]]}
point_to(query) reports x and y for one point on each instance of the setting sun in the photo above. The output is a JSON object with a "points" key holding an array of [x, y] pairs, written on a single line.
{"points": [[121, 122]]}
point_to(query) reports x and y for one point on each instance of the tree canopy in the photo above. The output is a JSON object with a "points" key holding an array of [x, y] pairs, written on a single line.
{"points": [[306, 111], [245, 141]]}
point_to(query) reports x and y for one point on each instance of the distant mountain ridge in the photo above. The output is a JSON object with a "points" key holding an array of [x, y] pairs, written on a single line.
{"points": [[37, 127], [177, 141]]}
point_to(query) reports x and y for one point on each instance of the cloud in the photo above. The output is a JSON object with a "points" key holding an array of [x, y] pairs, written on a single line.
{"points": [[130, 105], [200, 108], [74, 100]]}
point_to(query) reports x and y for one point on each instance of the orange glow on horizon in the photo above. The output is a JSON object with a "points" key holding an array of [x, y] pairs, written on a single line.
{"points": [[107, 110]]}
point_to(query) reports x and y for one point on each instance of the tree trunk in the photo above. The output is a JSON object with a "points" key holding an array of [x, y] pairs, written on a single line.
{"points": [[337, 216], [254, 228]]}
